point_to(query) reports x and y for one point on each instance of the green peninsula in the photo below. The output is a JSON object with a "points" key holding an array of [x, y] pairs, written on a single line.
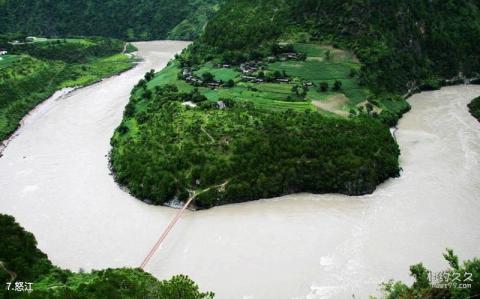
{"points": [[278, 97]]}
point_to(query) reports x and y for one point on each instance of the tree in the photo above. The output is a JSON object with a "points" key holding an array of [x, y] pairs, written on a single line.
{"points": [[353, 73], [328, 55], [230, 83], [147, 94], [337, 85], [304, 90], [149, 75], [456, 277], [207, 77], [19, 254], [420, 273], [324, 86], [295, 89], [452, 259]]}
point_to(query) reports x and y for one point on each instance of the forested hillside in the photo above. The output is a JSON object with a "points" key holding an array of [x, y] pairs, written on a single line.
{"points": [[281, 96], [128, 20], [21, 262], [402, 44]]}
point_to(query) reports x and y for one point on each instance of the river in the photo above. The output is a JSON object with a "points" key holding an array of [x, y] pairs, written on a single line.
{"points": [[54, 179]]}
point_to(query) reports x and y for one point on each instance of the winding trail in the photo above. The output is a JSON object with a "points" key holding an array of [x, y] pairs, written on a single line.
{"points": [[54, 179]]}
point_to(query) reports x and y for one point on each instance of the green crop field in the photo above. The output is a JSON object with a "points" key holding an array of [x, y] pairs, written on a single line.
{"points": [[313, 70], [223, 74], [81, 41], [169, 75], [319, 67], [325, 64]]}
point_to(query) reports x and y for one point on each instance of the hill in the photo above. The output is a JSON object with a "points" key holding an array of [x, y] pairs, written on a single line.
{"points": [[402, 44], [278, 97], [127, 20]]}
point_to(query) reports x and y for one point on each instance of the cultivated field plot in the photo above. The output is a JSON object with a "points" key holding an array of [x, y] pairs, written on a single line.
{"points": [[324, 64]]}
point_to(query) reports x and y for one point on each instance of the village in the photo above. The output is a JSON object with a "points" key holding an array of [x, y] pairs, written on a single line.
{"points": [[254, 71]]}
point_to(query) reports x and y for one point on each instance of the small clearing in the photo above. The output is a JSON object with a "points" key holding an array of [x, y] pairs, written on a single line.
{"points": [[333, 104]]}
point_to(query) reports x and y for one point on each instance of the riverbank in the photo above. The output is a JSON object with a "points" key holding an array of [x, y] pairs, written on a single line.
{"points": [[474, 108], [55, 180], [56, 96], [30, 80]]}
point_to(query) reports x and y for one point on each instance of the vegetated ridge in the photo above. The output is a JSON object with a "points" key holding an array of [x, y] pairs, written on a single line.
{"points": [[33, 71], [127, 20]]}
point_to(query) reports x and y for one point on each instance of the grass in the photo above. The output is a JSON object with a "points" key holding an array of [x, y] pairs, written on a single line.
{"points": [[81, 41], [97, 69], [322, 67], [7, 60], [223, 74], [313, 70], [169, 75]]}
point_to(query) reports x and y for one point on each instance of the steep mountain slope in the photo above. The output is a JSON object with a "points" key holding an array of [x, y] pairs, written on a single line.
{"points": [[401, 43], [133, 20]]}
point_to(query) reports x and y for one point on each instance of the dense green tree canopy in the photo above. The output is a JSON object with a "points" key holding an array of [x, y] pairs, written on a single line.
{"points": [[241, 153], [163, 150], [402, 44], [458, 281], [19, 253], [137, 20], [36, 70], [474, 108]]}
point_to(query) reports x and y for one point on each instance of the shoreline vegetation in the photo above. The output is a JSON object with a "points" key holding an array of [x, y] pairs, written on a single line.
{"points": [[21, 261], [273, 100], [474, 108], [460, 280], [236, 133], [39, 69]]}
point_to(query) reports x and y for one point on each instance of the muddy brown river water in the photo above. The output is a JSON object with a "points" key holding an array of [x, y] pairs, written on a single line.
{"points": [[54, 179]]}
